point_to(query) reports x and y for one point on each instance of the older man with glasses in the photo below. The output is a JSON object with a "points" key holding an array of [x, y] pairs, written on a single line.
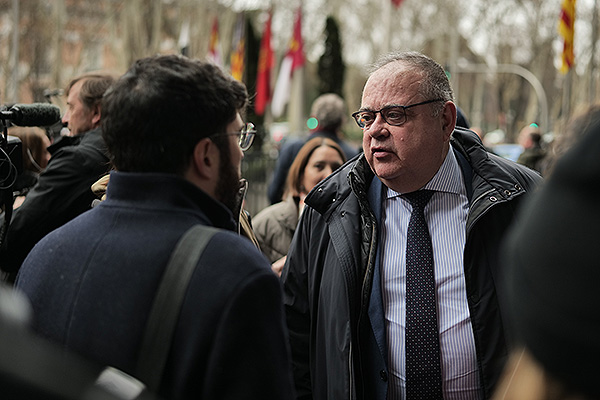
{"points": [[176, 138], [390, 282]]}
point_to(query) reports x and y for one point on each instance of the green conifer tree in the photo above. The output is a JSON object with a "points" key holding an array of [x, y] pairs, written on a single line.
{"points": [[331, 66]]}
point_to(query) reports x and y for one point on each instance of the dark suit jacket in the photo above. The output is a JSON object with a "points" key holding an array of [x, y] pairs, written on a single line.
{"points": [[92, 283]]}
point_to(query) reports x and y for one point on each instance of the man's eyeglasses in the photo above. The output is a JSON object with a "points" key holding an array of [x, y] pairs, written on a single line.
{"points": [[245, 136], [393, 115]]}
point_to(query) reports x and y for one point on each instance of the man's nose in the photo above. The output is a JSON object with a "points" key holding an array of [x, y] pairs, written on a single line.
{"points": [[379, 127]]}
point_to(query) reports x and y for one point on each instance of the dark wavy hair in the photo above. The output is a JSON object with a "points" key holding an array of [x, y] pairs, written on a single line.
{"points": [[156, 113]]}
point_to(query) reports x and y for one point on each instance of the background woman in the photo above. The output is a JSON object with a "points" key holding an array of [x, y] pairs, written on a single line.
{"points": [[275, 225], [35, 156]]}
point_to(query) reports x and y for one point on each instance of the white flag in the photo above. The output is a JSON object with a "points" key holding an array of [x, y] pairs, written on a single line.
{"points": [[283, 86]]}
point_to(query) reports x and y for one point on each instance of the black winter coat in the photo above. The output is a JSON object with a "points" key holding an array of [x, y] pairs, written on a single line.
{"points": [[92, 283], [63, 191], [337, 333]]}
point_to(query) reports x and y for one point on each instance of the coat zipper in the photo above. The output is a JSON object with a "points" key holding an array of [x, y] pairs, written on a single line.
{"points": [[370, 261]]}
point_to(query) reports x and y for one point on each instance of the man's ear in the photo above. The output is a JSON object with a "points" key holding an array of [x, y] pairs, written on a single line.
{"points": [[448, 119], [205, 159], [96, 113]]}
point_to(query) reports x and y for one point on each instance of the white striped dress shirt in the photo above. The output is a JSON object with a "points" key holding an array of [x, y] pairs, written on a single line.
{"points": [[446, 215]]}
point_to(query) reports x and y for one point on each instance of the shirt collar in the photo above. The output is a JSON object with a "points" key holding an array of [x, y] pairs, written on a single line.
{"points": [[447, 179]]}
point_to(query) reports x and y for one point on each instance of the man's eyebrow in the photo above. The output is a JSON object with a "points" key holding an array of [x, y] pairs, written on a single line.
{"points": [[382, 108]]}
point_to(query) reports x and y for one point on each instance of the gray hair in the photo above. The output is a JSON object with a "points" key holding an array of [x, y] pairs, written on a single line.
{"points": [[434, 84], [330, 111]]}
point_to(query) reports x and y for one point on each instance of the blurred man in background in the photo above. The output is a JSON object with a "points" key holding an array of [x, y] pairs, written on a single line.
{"points": [[63, 190], [330, 112], [533, 154]]}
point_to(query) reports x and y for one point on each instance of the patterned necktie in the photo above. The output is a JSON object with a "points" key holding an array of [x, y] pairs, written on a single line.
{"points": [[423, 369]]}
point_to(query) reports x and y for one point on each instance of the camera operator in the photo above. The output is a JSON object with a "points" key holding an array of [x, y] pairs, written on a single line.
{"points": [[63, 189]]}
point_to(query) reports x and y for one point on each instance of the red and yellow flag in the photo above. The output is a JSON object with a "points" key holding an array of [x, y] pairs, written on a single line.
{"points": [[294, 59], [214, 52], [296, 50], [238, 53], [265, 65], [566, 28]]}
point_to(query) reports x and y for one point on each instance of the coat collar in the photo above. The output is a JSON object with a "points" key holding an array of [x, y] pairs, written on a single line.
{"points": [[157, 192]]}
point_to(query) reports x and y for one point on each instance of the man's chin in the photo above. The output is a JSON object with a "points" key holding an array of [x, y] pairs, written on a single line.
{"points": [[384, 170], [228, 190]]}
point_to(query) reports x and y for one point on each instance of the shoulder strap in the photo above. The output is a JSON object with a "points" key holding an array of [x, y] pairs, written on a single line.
{"points": [[165, 310]]}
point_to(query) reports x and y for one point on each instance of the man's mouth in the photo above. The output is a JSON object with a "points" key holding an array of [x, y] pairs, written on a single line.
{"points": [[379, 152]]}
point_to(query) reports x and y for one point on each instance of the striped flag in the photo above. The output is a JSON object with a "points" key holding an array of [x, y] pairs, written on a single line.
{"points": [[566, 28]]}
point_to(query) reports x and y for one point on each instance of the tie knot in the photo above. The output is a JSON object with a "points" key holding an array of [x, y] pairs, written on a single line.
{"points": [[420, 198]]}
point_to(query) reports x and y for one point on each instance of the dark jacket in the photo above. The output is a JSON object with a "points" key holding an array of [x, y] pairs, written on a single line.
{"points": [[287, 154], [532, 157], [63, 191], [92, 282], [331, 283]]}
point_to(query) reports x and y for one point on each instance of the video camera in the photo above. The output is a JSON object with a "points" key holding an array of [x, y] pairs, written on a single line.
{"points": [[11, 161], [11, 155]]}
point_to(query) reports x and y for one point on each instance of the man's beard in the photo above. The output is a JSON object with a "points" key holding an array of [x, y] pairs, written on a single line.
{"points": [[229, 183]]}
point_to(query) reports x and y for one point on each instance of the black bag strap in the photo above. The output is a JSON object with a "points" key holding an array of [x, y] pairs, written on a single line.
{"points": [[164, 314]]}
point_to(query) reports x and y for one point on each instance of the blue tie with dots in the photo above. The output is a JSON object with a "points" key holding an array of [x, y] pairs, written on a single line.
{"points": [[423, 369]]}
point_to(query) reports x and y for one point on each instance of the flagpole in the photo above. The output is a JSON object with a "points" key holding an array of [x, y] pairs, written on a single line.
{"points": [[566, 106], [592, 93], [296, 109], [387, 18]]}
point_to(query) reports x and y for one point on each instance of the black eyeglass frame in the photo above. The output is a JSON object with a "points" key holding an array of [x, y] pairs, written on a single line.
{"points": [[245, 136], [357, 117]]}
